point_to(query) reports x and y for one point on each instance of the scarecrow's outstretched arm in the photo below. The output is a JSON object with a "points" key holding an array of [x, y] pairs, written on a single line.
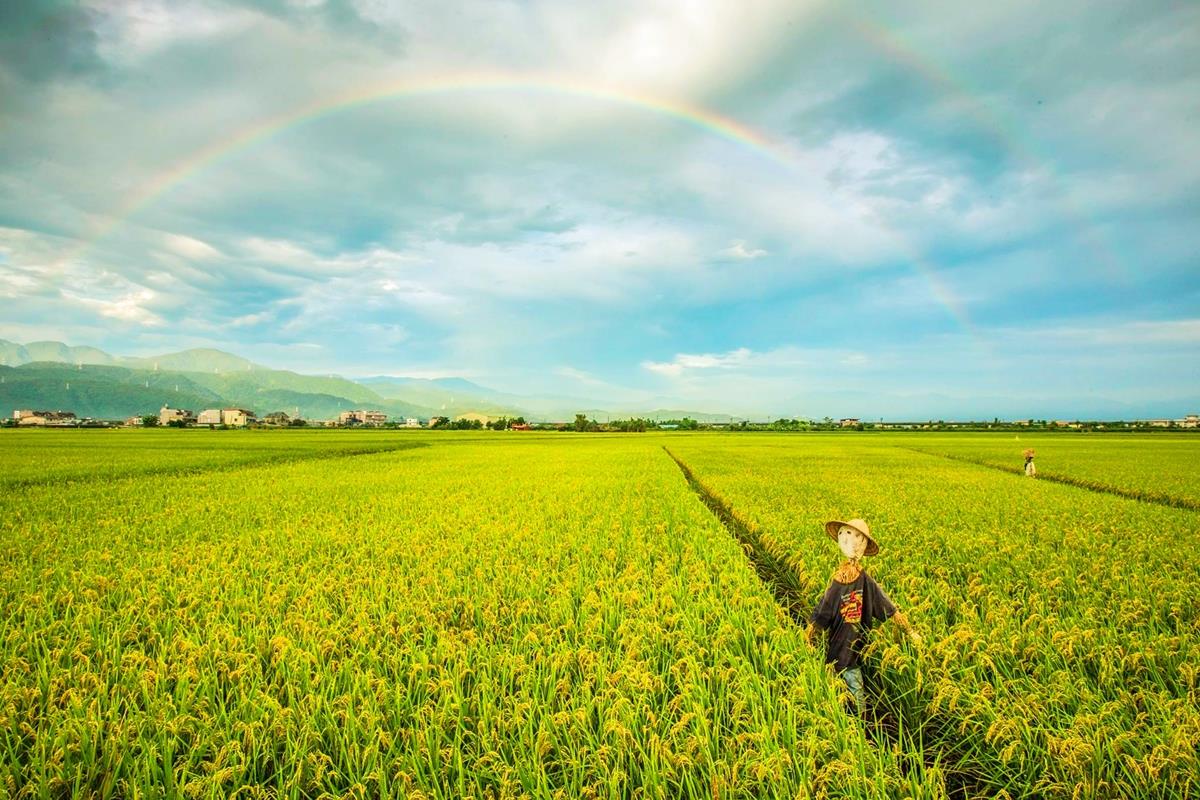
{"points": [[814, 632], [905, 626]]}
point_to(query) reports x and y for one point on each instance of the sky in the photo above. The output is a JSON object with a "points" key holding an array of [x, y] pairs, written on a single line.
{"points": [[783, 208]]}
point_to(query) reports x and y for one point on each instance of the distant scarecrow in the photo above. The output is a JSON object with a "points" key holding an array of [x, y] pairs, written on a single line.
{"points": [[1030, 469], [852, 604]]}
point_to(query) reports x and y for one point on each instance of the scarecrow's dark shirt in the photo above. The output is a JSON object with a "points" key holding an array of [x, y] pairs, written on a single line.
{"points": [[847, 611]]}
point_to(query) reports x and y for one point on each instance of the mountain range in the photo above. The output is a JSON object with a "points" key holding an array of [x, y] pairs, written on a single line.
{"points": [[93, 383]]}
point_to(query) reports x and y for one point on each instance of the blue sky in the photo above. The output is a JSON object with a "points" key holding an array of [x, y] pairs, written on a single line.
{"points": [[921, 210]]}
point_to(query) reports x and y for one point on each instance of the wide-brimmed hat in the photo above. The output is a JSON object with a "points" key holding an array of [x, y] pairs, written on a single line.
{"points": [[859, 525]]}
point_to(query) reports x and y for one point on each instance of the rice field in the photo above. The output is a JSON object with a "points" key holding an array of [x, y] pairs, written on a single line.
{"points": [[1157, 467], [53, 456], [496, 615]]}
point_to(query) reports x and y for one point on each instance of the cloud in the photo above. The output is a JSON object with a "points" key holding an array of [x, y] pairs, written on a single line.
{"points": [[684, 362], [190, 248], [41, 40], [129, 307], [738, 251]]}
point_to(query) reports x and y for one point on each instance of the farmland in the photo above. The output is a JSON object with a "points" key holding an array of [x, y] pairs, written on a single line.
{"points": [[508, 615], [1157, 467], [39, 456]]}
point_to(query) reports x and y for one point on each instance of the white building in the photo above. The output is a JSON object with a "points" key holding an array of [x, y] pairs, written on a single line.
{"points": [[370, 419], [209, 416], [237, 417], [167, 415], [412, 422]]}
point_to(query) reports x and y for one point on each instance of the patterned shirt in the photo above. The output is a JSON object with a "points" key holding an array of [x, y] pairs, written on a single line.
{"points": [[847, 611]]}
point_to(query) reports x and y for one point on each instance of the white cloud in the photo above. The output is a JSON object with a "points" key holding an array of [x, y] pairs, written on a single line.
{"points": [[687, 361], [131, 30], [738, 251], [190, 248], [129, 307], [1129, 333]]}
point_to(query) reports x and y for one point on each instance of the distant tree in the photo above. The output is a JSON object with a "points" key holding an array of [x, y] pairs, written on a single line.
{"points": [[176, 423], [150, 420], [297, 422], [581, 422]]}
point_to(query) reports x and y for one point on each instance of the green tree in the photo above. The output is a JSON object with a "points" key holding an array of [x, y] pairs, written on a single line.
{"points": [[150, 420]]}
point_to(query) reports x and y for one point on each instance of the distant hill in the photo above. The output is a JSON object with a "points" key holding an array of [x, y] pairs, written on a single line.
{"points": [[91, 382], [199, 360], [97, 391], [13, 354], [107, 392], [449, 396]]}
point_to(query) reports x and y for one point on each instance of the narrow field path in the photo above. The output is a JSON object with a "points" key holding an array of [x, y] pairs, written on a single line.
{"points": [[1157, 498], [271, 459], [794, 595]]}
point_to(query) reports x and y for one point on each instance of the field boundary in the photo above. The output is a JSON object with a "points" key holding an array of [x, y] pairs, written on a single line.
{"points": [[182, 471], [1156, 498], [789, 591]]}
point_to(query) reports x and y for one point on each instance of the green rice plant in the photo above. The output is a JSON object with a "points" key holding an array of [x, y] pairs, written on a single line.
{"points": [[56, 456], [549, 617], [1061, 627], [1158, 468]]}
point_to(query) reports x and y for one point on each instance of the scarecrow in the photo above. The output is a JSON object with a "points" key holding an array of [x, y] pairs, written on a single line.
{"points": [[1030, 469], [852, 604]]}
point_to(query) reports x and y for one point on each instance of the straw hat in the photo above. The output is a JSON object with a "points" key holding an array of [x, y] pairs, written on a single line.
{"points": [[859, 525]]}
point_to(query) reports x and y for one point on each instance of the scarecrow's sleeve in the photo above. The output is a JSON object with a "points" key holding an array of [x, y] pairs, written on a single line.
{"points": [[882, 605], [823, 614]]}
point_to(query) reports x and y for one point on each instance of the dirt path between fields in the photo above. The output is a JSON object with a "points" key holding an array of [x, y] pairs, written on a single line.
{"points": [[795, 596]]}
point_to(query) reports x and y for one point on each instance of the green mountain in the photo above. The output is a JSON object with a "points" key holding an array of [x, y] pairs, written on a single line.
{"points": [[107, 392], [97, 391], [13, 354], [250, 382], [450, 396], [54, 376], [198, 360]]}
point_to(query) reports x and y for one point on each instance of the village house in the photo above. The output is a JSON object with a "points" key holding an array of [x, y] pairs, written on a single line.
{"points": [[278, 419], [369, 419], [848, 422], [167, 415], [43, 419], [1190, 421], [237, 417], [209, 416], [471, 416], [412, 422]]}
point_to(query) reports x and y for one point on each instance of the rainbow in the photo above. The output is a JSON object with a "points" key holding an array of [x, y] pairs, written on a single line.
{"points": [[690, 114], [698, 117]]}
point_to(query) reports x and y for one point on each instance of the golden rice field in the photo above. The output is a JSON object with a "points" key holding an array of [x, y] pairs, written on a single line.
{"points": [[438, 615]]}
